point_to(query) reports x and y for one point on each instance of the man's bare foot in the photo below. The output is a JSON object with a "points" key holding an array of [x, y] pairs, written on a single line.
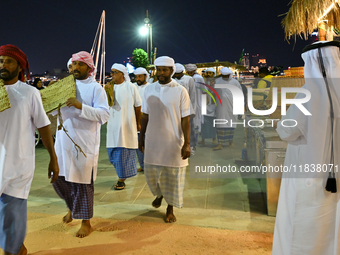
{"points": [[219, 147], [157, 202], [23, 251], [68, 217], [231, 144], [140, 169], [170, 217], [85, 229]]}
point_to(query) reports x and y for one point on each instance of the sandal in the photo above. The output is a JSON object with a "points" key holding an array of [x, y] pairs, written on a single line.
{"points": [[119, 185]]}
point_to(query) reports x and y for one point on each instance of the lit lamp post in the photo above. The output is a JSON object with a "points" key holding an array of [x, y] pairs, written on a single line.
{"points": [[147, 29]]}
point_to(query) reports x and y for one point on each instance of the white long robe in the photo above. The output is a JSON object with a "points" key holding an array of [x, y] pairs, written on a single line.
{"points": [[189, 84], [198, 113], [225, 111], [307, 220], [122, 125], [83, 127]]}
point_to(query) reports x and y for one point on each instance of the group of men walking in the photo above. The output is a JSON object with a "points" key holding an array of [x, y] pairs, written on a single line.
{"points": [[153, 118]]}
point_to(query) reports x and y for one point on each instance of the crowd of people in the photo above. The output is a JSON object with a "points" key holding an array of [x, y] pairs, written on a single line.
{"points": [[160, 121]]}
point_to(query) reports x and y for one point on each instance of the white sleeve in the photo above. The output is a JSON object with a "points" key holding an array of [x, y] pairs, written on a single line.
{"points": [[192, 92], [39, 117], [136, 97], [145, 102], [99, 111], [185, 103]]}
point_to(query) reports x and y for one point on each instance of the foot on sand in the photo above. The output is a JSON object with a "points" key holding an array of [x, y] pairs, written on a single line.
{"points": [[170, 217], [68, 217], [85, 229]]}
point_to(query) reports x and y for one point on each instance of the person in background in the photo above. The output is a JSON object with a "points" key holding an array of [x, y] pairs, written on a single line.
{"points": [[189, 84], [122, 126], [266, 78], [38, 84], [142, 77]]}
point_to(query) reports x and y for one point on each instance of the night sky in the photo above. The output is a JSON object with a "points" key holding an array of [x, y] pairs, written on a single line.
{"points": [[188, 31]]}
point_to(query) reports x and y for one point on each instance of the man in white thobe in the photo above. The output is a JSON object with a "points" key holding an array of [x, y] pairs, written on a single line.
{"points": [[225, 131], [207, 128], [82, 118], [122, 127], [165, 137], [191, 70], [189, 84], [142, 77], [17, 148], [307, 220]]}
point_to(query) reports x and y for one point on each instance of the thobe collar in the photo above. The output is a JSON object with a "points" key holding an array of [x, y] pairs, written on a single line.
{"points": [[86, 81]]}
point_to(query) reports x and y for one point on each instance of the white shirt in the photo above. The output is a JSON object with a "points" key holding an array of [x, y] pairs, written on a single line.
{"points": [[83, 127], [166, 105], [17, 136], [122, 125], [189, 84], [141, 89]]}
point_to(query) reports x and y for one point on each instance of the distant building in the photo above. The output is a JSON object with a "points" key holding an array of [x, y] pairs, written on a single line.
{"points": [[255, 60], [245, 61], [262, 62]]}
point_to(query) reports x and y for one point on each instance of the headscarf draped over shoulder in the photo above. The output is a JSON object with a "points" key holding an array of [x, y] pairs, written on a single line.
{"points": [[14, 52]]}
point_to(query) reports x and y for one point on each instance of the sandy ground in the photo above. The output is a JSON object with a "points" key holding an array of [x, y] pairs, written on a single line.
{"points": [[47, 235]]}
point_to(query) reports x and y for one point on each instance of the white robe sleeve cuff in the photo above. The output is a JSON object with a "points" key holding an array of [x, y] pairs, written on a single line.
{"points": [[292, 135], [94, 114]]}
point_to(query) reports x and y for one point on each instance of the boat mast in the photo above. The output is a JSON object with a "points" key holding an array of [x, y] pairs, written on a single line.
{"points": [[100, 40]]}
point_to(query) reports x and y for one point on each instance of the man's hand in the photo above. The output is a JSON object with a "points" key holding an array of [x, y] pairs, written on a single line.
{"points": [[53, 170], [74, 102], [185, 151], [138, 127]]}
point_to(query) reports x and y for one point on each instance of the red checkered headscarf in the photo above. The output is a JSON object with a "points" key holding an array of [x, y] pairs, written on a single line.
{"points": [[85, 57], [12, 51]]}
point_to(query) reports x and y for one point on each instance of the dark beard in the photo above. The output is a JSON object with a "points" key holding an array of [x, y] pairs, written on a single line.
{"points": [[10, 75]]}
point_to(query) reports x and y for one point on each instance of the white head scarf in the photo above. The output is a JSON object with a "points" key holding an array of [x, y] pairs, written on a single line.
{"points": [[123, 69], [141, 70], [211, 70], [190, 67], [69, 62], [227, 71], [179, 68], [166, 61], [315, 130]]}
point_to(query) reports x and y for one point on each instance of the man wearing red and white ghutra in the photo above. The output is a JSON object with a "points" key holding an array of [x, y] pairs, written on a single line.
{"points": [[17, 148], [82, 118]]}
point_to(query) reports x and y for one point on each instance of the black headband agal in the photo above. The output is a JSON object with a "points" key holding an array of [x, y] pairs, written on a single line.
{"points": [[320, 45]]}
